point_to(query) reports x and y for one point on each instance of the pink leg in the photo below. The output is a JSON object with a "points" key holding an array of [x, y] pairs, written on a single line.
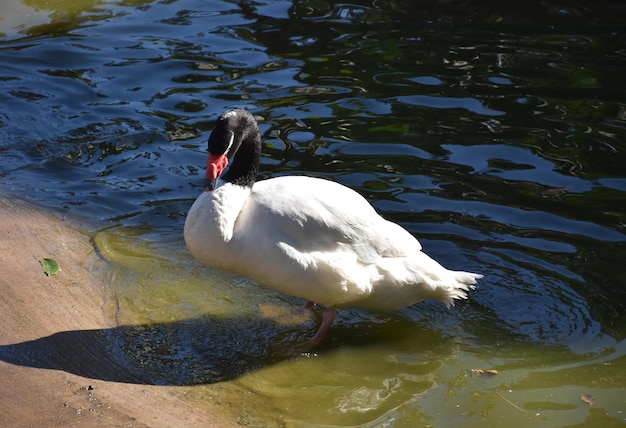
{"points": [[328, 317]]}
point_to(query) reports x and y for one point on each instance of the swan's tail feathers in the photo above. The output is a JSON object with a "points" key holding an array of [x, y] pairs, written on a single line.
{"points": [[457, 289]]}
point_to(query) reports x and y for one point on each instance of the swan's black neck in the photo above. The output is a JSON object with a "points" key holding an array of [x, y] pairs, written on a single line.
{"points": [[244, 151]]}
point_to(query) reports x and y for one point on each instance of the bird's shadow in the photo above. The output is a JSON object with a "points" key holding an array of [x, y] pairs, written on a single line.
{"points": [[190, 352], [203, 350]]}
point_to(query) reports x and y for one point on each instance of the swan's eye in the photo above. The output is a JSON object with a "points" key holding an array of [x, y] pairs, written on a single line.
{"points": [[221, 141]]}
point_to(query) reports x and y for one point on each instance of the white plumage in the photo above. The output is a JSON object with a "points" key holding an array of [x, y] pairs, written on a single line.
{"points": [[308, 237]]}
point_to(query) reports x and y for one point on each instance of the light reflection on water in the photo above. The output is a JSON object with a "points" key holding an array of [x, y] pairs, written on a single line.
{"points": [[496, 136]]}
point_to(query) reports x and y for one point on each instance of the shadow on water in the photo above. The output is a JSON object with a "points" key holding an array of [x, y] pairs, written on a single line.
{"points": [[181, 353], [198, 351]]}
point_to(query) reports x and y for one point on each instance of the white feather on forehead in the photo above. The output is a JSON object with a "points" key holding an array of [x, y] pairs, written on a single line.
{"points": [[230, 143], [229, 113]]}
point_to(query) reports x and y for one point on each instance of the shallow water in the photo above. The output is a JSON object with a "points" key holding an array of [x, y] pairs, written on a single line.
{"points": [[495, 135]]}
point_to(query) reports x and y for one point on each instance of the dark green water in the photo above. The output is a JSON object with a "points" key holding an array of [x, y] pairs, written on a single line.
{"points": [[495, 133]]}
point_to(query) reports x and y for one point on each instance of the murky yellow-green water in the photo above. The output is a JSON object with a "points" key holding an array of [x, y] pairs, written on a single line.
{"points": [[375, 369]]}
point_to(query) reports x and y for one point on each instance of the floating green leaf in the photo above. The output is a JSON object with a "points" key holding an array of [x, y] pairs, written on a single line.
{"points": [[50, 266]]}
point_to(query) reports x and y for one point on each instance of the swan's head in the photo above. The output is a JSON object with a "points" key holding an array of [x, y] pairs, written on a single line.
{"points": [[233, 130]]}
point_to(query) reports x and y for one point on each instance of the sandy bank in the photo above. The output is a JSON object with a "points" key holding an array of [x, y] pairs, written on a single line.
{"points": [[34, 306]]}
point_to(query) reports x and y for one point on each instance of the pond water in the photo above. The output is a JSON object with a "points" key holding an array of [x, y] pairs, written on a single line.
{"points": [[496, 134]]}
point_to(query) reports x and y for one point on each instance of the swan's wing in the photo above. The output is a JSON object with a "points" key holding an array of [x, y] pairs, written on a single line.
{"points": [[315, 215], [322, 241]]}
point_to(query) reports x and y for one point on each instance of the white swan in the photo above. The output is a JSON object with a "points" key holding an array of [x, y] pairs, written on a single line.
{"points": [[307, 237]]}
